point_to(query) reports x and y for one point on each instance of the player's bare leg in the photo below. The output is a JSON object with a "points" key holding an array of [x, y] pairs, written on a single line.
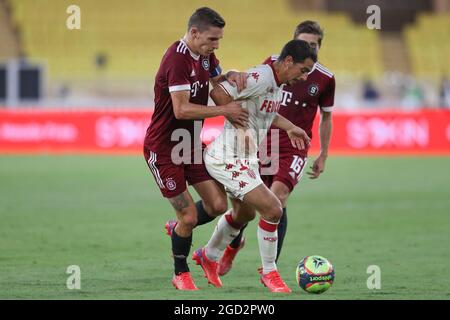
{"points": [[214, 200], [213, 203], [269, 207], [182, 239], [282, 192]]}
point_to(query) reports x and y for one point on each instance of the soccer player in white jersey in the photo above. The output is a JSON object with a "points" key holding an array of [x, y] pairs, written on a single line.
{"points": [[232, 160]]}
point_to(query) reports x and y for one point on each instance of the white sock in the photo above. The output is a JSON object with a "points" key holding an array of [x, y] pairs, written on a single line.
{"points": [[267, 240], [226, 230]]}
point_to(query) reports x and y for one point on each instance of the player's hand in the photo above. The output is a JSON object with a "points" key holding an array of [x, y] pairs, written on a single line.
{"points": [[318, 167], [237, 115], [237, 79], [299, 138]]}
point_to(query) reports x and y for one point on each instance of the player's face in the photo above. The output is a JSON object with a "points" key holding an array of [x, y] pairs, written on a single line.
{"points": [[312, 39], [299, 71], [207, 41]]}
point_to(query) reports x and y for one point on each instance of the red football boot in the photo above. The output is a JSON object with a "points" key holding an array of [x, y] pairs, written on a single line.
{"points": [[209, 267], [170, 225], [274, 283], [226, 262], [183, 281]]}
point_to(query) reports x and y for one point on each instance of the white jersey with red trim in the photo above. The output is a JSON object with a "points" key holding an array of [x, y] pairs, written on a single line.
{"points": [[262, 98]]}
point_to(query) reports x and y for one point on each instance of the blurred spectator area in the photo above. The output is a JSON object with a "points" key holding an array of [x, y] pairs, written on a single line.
{"points": [[118, 50]]}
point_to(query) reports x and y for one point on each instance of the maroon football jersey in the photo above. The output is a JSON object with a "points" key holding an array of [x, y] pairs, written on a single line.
{"points": [[301, 101], [180, 70]]}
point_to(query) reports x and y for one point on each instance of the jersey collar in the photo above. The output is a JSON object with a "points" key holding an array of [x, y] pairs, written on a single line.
{"points": [[193, 55], [275, 75]]}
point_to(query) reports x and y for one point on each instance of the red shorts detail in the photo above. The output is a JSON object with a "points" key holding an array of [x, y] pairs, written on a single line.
{"points": [[290, 169], [172, 178]]}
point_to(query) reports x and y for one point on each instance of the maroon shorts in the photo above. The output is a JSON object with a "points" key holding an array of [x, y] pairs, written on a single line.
{"points": [[172, 178], [290, 169]]}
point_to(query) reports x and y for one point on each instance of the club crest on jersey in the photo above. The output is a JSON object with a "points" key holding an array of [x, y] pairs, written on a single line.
{"points": [[205, 64], [313, 89], [171, 184]]}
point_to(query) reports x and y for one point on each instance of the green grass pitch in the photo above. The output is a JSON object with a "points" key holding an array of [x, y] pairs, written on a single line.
{"points": [[106, 215]]}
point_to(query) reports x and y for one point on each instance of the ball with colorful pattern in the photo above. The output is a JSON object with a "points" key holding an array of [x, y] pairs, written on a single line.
{"points": [[315, 274]]}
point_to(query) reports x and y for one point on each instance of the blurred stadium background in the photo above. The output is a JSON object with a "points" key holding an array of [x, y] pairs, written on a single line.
{"points": [[112, 59], [91, 90]]}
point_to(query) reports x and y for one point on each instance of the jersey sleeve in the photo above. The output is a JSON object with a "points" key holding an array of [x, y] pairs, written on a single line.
{"points": [[214, 69], [257, 84], [177, 73], [326, 100]]}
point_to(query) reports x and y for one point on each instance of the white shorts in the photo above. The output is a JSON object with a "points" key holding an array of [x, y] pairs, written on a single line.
{"points": [[239, 177]]}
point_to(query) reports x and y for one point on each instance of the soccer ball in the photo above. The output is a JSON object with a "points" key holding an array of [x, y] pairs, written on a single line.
{"points": [[315, 274]]}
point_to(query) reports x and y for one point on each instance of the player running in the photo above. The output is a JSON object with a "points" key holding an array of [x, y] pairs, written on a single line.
{"points": [[232, 160], [299, 105], [181, 96]]}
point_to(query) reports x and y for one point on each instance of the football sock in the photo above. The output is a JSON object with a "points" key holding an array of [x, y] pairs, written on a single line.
{"points": [[282, 227], [180, 250], [202, 216], [237, 241], [267, 241], [226, 230]]}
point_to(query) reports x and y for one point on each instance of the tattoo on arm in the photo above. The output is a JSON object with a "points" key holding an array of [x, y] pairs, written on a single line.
{"points": [[179, 202]]}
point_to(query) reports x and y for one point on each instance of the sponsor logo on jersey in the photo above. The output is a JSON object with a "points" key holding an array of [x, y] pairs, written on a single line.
{"points": [[205, 64], [171, 184], [270, 106], [313, 89]]}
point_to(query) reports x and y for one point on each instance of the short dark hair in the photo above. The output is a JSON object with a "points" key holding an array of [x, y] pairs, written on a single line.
{"points": [[309, 26], [205, 17], [299, 50]]}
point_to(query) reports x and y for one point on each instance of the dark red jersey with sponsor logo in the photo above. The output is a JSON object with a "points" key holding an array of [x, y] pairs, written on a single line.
{"points": [[180, 70]]}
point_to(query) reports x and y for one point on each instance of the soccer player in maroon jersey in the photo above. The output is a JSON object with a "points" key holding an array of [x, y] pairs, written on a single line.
{"points": [[299, 105], [181, 97]]}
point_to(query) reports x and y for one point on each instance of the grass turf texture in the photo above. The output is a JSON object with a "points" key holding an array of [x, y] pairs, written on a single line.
{"points": [[106, 215]]}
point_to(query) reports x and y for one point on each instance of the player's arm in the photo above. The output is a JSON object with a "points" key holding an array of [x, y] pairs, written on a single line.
{"points": [[220, 97], [185, 110], [298, 136], [325, 129], [244, 139], [326, 102], [235, 78]]}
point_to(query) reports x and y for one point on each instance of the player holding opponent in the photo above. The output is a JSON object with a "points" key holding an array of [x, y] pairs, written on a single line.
{"points": [[235, 165], [181, 96], [299, 105]]}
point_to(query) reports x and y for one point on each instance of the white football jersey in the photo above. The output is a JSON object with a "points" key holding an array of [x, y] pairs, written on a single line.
{"points": [[262, 97]]}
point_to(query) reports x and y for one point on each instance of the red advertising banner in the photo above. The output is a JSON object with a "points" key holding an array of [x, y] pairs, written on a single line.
{"points": [[121, 131]]}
